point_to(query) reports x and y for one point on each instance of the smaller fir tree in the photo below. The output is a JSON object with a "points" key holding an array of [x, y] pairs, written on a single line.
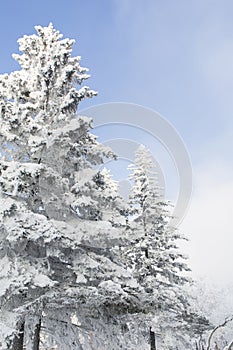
{"points": [[154, 256]]}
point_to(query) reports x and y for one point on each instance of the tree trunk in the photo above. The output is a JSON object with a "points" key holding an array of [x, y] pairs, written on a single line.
{"points": [[17, 343], [152, 340], [36, 336]]}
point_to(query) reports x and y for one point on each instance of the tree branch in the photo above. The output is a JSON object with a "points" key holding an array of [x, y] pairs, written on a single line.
{"points": [[229, 346], [227, 320]]}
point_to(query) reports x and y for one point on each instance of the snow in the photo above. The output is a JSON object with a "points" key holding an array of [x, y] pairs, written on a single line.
{"points": [[43, 281]]}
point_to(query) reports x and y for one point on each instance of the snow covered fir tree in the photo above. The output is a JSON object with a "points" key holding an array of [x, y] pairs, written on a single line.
{"points": [[80, 267], [56, 252], [155, 259]]}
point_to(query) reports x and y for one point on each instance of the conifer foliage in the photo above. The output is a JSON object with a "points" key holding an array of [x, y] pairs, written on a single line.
{"points": [[154, 256], [55, 249]]}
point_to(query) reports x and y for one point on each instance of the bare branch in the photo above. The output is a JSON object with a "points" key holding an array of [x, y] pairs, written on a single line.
{"points": [[227, 320], [229, 346]]}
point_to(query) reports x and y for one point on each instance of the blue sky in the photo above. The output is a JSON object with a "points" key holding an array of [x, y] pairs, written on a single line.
{"points": [[175, 57]]}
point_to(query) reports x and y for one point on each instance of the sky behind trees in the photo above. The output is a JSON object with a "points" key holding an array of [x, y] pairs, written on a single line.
{"points": [[173, 57]]}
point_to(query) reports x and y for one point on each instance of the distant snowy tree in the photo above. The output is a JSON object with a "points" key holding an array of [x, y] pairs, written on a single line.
{"points": [[154, 256], [57, 232], [215, 303]]}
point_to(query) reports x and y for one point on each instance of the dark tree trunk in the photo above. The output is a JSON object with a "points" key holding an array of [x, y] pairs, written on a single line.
{"points": [[36, 336], [17, 343], [152, 340]]}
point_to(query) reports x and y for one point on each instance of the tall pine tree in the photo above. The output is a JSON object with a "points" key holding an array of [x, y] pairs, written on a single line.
{"points": [[56, 250]]}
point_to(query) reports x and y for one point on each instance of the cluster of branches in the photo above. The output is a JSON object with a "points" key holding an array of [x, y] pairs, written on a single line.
{"points": [[207, 344]]}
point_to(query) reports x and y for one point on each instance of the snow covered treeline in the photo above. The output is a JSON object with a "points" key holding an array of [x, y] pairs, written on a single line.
{"points": [[80, 267]]}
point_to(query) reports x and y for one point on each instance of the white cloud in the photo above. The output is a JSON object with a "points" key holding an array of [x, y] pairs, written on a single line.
{"points": [[209, 224]]}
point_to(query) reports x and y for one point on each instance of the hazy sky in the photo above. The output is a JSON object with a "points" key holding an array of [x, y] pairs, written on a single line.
{"points": [[175, 57]]}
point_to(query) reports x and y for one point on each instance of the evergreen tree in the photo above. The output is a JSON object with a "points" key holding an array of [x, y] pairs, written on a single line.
{"points": [[56, 250], [154, 256]]}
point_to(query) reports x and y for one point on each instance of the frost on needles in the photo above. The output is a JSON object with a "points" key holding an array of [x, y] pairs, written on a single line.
{"points": [[78, 270]]}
